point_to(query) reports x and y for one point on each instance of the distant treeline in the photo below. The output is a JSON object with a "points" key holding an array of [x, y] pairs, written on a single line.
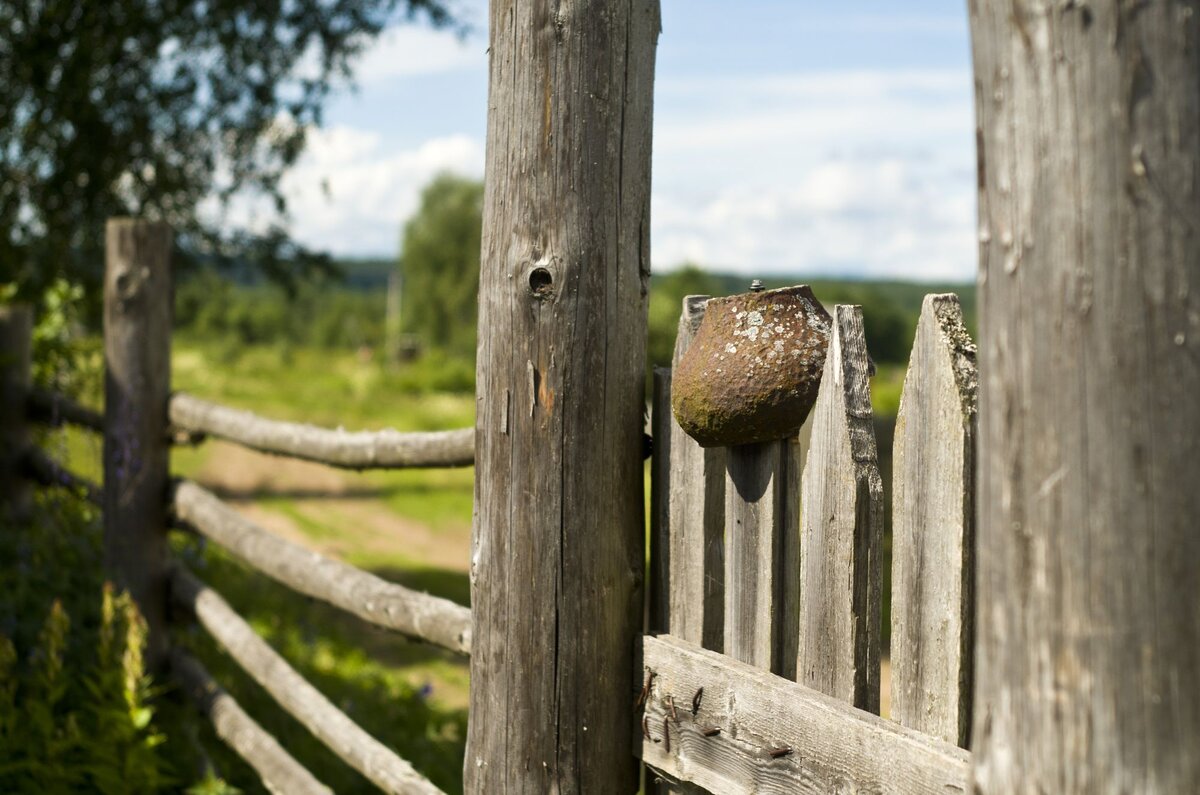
{"points": [[348, 311]]}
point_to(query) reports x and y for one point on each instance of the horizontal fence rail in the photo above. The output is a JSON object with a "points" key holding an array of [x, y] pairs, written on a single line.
{"points": [[44, 470], [418, 615], [734, 728], [279, 771], [386, 449], [293, 693], [55, 408]]}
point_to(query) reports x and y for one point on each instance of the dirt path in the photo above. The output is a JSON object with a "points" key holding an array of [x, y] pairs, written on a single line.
{"points": [[356, 522]]}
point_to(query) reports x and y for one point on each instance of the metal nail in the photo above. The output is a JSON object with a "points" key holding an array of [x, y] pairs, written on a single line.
{"points": [[671, 706], [776, 753], [696, 701], [646, 727], [666, 734], [711, 731]]}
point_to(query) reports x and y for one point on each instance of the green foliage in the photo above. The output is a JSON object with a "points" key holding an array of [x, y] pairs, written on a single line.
{"points": [[316, 312], [440, 264], [76, 704], [150, 107], [327, 647]]}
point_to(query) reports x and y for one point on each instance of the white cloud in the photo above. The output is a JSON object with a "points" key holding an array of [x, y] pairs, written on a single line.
{"points": [[350, 193], [409, 51], [866, 173]]}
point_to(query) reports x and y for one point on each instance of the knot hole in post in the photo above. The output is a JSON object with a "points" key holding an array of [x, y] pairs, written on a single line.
{"points": [[541, 283]]}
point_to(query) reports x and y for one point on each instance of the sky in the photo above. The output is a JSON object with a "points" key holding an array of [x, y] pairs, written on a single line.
{"points": [[790, 137]]}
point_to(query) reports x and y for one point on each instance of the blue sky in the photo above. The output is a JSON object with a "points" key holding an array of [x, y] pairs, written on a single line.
{"points": [[809, 138]]}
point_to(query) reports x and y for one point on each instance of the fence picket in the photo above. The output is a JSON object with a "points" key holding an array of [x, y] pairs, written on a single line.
{"points": [[756, 489], [841, 528], [695, 517], [933, 528]]}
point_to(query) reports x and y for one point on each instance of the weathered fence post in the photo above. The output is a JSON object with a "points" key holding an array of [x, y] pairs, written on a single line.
{"points": [[558, 545], [16, 336], [1088, 653], [137, 384]]}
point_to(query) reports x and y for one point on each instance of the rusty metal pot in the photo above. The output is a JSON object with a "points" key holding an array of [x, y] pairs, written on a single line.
{"points": [[752, 372]]}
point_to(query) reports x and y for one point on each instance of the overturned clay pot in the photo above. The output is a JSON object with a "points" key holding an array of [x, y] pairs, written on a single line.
{"points": [[753, 369]]}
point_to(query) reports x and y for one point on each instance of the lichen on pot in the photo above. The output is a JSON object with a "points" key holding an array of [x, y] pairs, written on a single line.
{"points": [[752, 372]]}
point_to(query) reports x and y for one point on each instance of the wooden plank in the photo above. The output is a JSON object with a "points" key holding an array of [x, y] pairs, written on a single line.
{"points": [[658, 586], [933, 528], [137, 381], [820, 743], [385, 449], [418, 615], [16, 347], [696, 518], [300, 699], [279, 771], [1088, 650], [558, 548], [841, 528], [756, 482]]}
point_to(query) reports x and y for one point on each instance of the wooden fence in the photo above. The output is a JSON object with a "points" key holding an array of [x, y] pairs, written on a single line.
{"points": [[761, 670], [764, 671], [1061, 643], [142, 417]]}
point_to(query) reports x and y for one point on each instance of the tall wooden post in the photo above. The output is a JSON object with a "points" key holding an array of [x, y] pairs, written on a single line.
{"points": [[16, 337], [137, 383], [557, 550], [1088, 653]]}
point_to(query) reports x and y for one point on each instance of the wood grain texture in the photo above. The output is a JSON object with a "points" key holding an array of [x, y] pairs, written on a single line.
{"points": [[840, 528], [293, 693], [16, 349], [696, 518], [558, 547], [55, 408], [137, 381], [418, 615], [757, 480], [279, 772], [933, 528], [385, 449], [834, 747], [1088, 651]]}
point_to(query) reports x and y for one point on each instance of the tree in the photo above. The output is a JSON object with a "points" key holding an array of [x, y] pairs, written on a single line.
{"points": [[439, 260], [152, 107]]}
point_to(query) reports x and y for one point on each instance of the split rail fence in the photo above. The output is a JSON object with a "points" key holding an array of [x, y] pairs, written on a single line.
{"points": [[761, 671], [140, 501]]}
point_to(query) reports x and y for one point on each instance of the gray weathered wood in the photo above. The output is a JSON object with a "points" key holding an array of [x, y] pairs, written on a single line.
{"points": [[43, 469], [137, 381], [834, 747], [299, 698], [658, 584], [1088, 633], [841, 528], [56, 408], [419, 615], [755, 515], [559, 534], [933, 528], [16, 340], [696, 518], [385, 449], [279, 771]]}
